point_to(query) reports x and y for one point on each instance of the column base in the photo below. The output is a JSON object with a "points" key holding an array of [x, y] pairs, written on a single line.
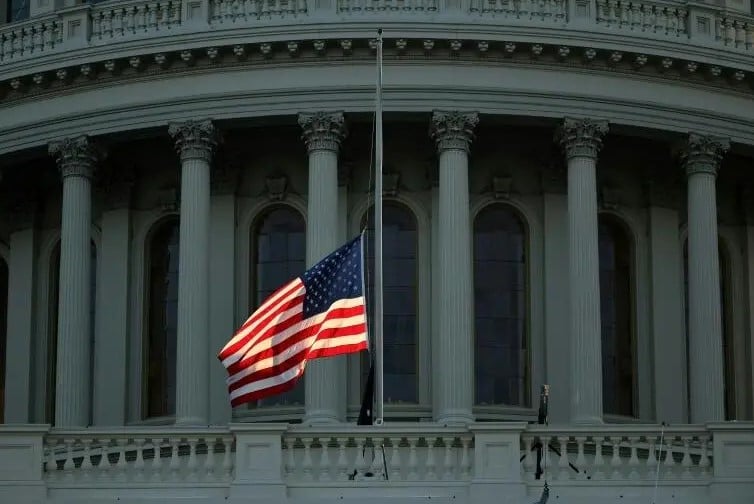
{"points": [[587, 420], [458, 417], [192, 421], [320, 417]]}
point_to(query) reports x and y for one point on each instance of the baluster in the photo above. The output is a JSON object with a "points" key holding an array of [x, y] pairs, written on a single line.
{"points": [[652, 456], [465, 459], [151, 16], [139, 462], [564, 469], [192, 464], [121, 466], [359, 461], [704, 465], [682, 22], [448, 459], [227, 462], [38, 41], [306, 465], [740, 34], [686, 461], [635, 16], [611, 13], [378, 447], [175, 463], [615, 461], [673, 29], [107, 24], [209, 461], [624, 13], [97, 25], [601, 15], [394, 466], [51, 461], [86, 463], [580, 458], [68, 463], [18, 43], [290, 466], [325, 464], [118, 22], [430, 462], [302, 6], [156, 460], [749, 35], [104, 465], [28, 39], [633, 461], [669, 459], [648, 17], [529, 464], [730, 33], [412, 462], [662, 21], [599, 461], [342, 460]]}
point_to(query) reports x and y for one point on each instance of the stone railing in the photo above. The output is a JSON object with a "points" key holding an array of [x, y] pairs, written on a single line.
{"points": [[471, 464], [151, 21]]}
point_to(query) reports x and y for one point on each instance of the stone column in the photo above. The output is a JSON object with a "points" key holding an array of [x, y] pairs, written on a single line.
{"points": [[581, 140], [195, 143], [323, 133], [701, 160], [76, 159], [453, 133]]}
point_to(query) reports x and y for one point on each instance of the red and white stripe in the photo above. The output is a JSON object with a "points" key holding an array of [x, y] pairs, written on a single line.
{"points": [[269, 352]]}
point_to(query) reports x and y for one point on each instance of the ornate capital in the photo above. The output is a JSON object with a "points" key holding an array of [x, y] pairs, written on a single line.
{"points": [[453, 130], [581, 137], [194, 139], [702, 154], [323, 130], [76, 157]]}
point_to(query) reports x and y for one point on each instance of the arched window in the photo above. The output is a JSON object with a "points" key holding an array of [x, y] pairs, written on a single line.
{"points": [[278, 255], [729, 373], [52, 340], [616, 313], [501, 344], [160, 355], [3, 332], [399, 274]]}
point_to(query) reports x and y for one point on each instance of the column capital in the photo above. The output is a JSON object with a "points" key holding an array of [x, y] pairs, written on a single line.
{"points": [[453, 129], [581, 137], [702, 154], [76, 156], [323, 130], [194, 139]]}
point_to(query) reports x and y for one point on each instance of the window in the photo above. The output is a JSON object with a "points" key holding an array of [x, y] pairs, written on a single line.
{"points": [[399, 274], [3, 333], [162, 319], [725, 318], [18, 10], [278, 256], [616, 314], [501, 344], [52, 341]]}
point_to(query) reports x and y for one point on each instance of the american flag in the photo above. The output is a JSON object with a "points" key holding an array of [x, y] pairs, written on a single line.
{"points": [[319, 314]]}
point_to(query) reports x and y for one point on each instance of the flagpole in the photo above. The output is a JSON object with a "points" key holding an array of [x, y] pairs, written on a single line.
{"points": [[378, 310]]}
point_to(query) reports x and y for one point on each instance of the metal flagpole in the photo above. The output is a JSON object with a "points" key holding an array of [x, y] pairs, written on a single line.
{"points": [[378, 354]]}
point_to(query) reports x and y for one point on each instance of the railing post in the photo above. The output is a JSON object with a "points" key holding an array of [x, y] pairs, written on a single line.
{"points": [[76, 26], [497, 467], [22, 449], [701, 24], [195, 13], [259, 462], [732, 462]]}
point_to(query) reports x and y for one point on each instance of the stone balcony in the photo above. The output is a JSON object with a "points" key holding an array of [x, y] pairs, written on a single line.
{"points": [[277, 463], [67, 42]]}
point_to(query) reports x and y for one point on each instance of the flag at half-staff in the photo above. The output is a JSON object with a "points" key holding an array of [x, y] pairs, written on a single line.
{"points": [[322, 313]]}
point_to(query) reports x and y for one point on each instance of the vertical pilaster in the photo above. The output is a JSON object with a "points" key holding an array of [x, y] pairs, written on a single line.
{"points": [[21, 327], [323, 133], [112, 321], [581, 140], [453, 134], [195, 143], [701, 161], [76, 159]]}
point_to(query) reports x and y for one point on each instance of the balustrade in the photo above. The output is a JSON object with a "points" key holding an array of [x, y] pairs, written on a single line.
{"points": [[30, 38], [670, 19], [386, 6], [535, 10], [133, 18], [231, 11]]}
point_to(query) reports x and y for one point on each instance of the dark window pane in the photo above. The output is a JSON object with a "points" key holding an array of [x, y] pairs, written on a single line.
{"points": [[501, 360], [3, 333], [18, 10], [399, 247], [278, 256], [616, 311], [161, 351]]}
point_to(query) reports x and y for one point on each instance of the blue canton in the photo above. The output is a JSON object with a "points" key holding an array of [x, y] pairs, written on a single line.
{"points": [[337, 276]]}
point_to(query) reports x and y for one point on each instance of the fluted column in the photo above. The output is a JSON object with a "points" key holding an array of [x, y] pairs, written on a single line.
{"points": [[581, 140], [76, 159], [195, 143], [453, 133], [701, 160], [323, 132]]}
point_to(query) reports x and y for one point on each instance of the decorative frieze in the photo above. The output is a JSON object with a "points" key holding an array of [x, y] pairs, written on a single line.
{"points": [[453, 130], [76, 157], [581, 137], [323, 130], [703, 154], [194, 139]]}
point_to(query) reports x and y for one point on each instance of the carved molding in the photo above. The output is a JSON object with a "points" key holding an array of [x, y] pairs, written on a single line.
{"points": [[277, 187], [702, 154], [194, 139], [169, 199], [75, 157], [391, 182], [554, 177], [502, 185], [323, 130], [610, 197], [581, 137], [453, 129]]}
